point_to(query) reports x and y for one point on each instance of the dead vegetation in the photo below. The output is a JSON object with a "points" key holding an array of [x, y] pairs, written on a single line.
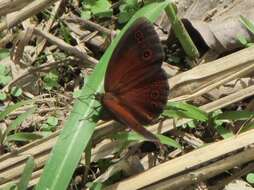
{"points": [[52, 51]]}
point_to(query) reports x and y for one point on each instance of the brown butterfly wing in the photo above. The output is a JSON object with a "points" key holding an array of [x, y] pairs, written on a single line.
{"points": [[147, 100], [137, 55], [135, 78]]}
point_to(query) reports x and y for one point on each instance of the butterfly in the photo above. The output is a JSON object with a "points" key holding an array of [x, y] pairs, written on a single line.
{"points": [[136, 87]]}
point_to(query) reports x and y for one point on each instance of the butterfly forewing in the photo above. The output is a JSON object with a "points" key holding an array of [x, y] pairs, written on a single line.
{"points": [[137, 55]]}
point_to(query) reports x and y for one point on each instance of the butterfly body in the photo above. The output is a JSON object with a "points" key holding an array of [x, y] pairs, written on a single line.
{"points": [[136, 87]]}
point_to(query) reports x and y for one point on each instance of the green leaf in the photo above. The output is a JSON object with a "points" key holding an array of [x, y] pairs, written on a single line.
{"points": [[16, 91], [53, 121], [247, 23], [26, 175], [44, 133], [46, 127], [4, 53], [225, 133], [65, 32], [184, 110], [124, 16], [76, 93], [169, 141], [3, 70], [246, 128], [95, 186], [127, 10], [80, 126], [20, 119], [13, 107], [51, 80], [99, 8], [2, 96], [86, 14], [242, 40], [234, 115], [23, 137], [250, 178], [10, 186], [133, 136], [5, 79], [218, 125], [191, 124]]}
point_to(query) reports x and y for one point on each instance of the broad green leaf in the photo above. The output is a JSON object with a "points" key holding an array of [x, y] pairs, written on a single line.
{"points": [[234, 115], [133, 136], [81, 123], [184, 110], [26, 175]]}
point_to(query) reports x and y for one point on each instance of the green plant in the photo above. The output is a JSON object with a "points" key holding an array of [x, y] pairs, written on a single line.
{"points": [[51, 80], [12, 133], [3, 96], [179, 110], [250, 178], [78, 130], [4, 53], [50, 124], [26, 175], [218, 124], [16, 91], [127, 9], [250, 26], [218, 119], [96, 8], [132, 136], [5, 77], [65, 32]]}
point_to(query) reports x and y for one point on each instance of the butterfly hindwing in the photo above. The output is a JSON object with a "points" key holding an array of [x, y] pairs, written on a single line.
{"points": [[147, 101]]}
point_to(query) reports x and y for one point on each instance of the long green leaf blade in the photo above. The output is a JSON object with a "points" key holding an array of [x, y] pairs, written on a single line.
{"points": [[27, 173], [80, 126]]}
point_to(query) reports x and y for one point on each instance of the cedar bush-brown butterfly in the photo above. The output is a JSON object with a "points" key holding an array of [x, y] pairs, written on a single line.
{"points": [[136, 87]]}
